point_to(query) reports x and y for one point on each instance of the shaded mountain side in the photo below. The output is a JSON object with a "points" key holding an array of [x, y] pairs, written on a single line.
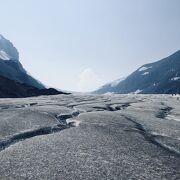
{"points": [[15, 71], [10, 66], [13, 89], [161, 77]]}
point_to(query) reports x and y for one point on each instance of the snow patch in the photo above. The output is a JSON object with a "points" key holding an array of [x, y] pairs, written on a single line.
{"points": [[144, 68], [145, 73], [137, 91], [172, 117], [108, 94], [74, 121], [116, 82], [4, 55], [175, 78]]}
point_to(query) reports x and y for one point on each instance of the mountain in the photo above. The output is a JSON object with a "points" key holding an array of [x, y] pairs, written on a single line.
{"points": [[13, 89], [15, 82], [10, 66], [161, 77]]}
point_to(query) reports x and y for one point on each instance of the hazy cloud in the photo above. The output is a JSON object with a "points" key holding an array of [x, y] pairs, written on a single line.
{"points": [[89, 80]]}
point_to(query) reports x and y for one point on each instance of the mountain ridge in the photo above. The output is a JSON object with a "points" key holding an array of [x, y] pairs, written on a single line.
{"points": [[160, 77], [15, 81], [10, 66]]}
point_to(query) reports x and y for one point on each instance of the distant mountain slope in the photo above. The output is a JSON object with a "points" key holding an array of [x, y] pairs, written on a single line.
{"points": [[10, 66], [161, 77], [12, 89]]}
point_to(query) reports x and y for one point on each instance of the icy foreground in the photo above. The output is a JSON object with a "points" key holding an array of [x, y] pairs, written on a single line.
{"points": [[106, 137]]}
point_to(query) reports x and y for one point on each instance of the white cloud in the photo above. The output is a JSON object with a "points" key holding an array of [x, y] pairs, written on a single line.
{"points": [[89, 81]]}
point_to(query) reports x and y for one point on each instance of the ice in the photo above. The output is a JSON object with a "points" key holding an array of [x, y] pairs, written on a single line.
{"points": [[111, 137]]}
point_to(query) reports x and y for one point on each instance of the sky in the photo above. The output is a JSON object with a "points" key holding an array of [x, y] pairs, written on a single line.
{"points": [[80, 45]]}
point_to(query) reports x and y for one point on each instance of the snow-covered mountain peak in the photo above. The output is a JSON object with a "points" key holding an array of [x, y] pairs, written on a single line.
{"points": [[7, 50], [11, 68]]}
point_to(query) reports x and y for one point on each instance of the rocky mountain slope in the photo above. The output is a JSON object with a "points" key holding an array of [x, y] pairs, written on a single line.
{"points": [[10, 66], [161, 77], [13, 89], [15, 82]]}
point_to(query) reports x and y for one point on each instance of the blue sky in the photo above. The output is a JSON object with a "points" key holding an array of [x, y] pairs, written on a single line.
{"points": [[82, 44]]}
